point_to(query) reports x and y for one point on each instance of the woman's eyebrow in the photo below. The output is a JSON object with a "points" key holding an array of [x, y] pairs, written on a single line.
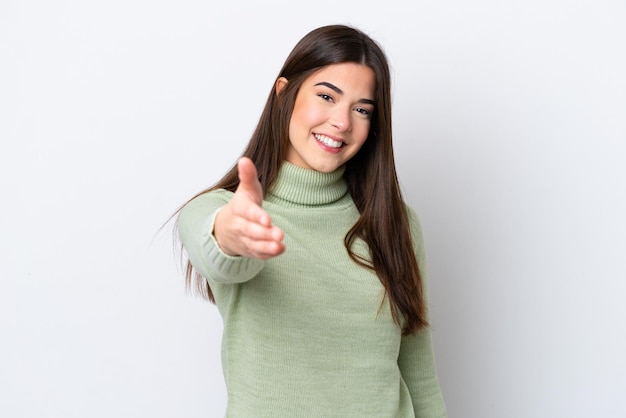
{"points": [[339, 91], [330, 86]]}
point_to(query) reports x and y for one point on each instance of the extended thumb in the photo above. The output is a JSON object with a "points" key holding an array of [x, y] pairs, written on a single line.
{"points": [[248, 179]]}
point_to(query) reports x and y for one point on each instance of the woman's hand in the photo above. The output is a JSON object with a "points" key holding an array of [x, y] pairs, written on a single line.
{"points": [[242, 227]]}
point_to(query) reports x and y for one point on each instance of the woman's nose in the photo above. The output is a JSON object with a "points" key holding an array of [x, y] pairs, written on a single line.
{"points": [[341, 120]]}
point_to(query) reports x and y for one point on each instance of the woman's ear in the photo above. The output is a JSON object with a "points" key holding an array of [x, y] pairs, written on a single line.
{"points": [[280, 85]]}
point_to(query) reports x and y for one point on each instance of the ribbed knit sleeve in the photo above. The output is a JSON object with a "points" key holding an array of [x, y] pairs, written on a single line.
{"points": [[195, 230], [416, 359]]}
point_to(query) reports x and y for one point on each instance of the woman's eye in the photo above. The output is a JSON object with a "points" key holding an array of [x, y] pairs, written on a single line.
{"points": [[363, 111], [326, 97]]}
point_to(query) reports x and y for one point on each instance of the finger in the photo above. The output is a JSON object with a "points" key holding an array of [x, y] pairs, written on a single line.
{"points": [[265, 249], [255, 232], [262, 242], [248, 180]]}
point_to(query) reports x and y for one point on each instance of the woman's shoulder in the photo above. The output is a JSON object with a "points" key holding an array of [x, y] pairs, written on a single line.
{"points": [[412, 215], [211, 196], [415, 225], [204, 203]]}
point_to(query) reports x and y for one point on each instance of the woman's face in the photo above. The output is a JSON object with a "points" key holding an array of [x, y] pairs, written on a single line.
{"points": [[331, 116]]}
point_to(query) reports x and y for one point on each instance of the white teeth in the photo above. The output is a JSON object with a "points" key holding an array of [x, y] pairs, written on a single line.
{"points": [[328, 141]]}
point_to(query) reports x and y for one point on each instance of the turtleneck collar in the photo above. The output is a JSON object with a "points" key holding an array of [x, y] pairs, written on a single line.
{"points": [[300, 186]]}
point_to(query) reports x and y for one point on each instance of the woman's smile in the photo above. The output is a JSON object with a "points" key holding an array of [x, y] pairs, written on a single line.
{"points": [[328, 141]]}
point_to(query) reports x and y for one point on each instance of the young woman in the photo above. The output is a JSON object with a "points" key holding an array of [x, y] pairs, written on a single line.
{"points": [[310, 253]]}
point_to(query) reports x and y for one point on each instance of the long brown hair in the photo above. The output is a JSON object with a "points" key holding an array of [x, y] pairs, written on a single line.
{"points": [[371, 175]]}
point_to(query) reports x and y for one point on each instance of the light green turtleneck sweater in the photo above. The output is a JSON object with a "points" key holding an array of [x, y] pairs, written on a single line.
{"points": [[304, 332]]}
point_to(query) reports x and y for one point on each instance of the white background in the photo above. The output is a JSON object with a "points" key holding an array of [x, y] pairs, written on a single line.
{"points": [[510, 130]]}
